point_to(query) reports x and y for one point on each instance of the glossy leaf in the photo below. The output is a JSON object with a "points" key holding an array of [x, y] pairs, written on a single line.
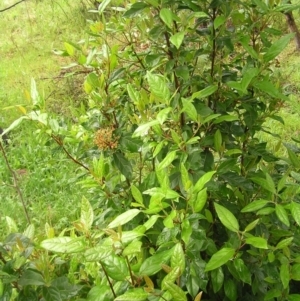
{"points": [[124, 218], [295, 210], [136, 294], [217, 279], [153, 264], [242, 270], [230, 289], [51, 293], [177, 39], [116, 267], [178, 257], [277, 47], [123, 164], [227, 218], [171, 277], [284, 243], [97, 253], [255, 205], [167, 160], [177, 293], [137, 195], [158, 87], [87, 214], [282, 214], [31, 277], [200, 200], [257, 242], [252, 225], [285, 275], [219, 259], [64, 244], [205, 92], [167, 17], [203, 180]]}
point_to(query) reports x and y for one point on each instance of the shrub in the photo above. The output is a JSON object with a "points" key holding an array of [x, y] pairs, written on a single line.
{"points": [[185, 202]]}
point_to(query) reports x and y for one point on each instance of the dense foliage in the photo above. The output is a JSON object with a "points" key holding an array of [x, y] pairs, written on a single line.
{"points": [[185, 203]]}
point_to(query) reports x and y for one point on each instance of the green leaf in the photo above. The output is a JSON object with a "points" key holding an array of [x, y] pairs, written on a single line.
{"points": [[12, 226], [245, 43], [242, 270], [272, 293], [29, 232], [285, 275], [100, 293], [87, 214], [135, 9], [143, 129], [124, 218], [31, 277], [282, 214], [190, 109], [227, 118], [133, 94], [277, 47], [177, 39], [218, 140], [284, 243], [186, 231], [205, 92], [69, 48], [270, 89], [203, 180], [294, 297], [123, 164], [200, 201], [251, 226], [230, 290], [227, 218], [293, 158], [178, 257], [219, 259], [295, 210], [153, 264], [257, 242], [249, 74], [163, 115], [217, 279], [51, 293], [295, 273], [171, 277], [103, 5], [268, 185], [116, 267], [220, 20], [64, 244], [177, 293], [137, 195], [168, 221], [255, 205], [185, 177], [167, 17], [136, 294], [97, 253], [133, 248], [158, 87], [167, 160]]}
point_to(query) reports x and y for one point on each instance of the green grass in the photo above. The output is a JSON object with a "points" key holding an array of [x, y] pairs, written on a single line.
{"points": [[33, 29]]}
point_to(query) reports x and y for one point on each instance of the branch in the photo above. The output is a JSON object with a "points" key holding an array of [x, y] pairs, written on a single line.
{"points": [[16, 183], [9, 7]]}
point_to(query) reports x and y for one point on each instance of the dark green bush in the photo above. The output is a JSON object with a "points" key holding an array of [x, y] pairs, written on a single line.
{"points": [[185, 203]]}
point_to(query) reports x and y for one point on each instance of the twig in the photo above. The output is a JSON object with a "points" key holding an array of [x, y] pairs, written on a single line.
{"points": [[9, 7], [61, 144], [16, 185]]}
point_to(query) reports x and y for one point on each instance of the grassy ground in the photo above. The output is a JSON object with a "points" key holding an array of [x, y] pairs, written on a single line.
{"points": [[30, 32]]}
